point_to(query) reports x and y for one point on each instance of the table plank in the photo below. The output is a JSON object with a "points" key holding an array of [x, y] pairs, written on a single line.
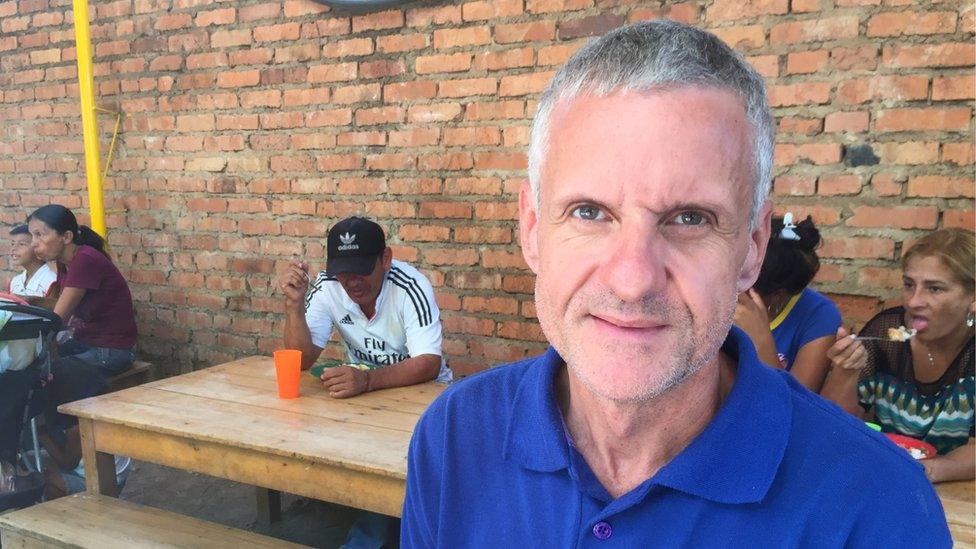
{"points": [[283, 432]]}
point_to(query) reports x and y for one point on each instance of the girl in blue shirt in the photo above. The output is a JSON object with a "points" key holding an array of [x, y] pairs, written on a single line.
{"points": [[791, 325]]}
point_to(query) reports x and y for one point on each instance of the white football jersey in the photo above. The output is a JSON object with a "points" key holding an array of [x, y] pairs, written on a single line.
{"points": [[407, 322], [37, 286]]}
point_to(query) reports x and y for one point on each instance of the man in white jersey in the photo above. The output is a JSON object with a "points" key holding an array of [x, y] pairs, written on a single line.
{"points": [[383, 309]]}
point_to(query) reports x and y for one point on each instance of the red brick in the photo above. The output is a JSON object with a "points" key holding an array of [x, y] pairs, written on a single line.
{"points": [[859, 58], [401, 42], [940, 186], [439, 112], [949, 88], [238, 79], [414, 137], [454, 62], [910, 23], [746, 37], [433, 15], [41, 57], [522, 32], [206, 60], [453, 38], [296, 97], [253, 56], [423, 233], [724, 10], [381, 69], [275, 33], [357, 94], [838, 184], [223, 16], [195, 123], [910, 153], [791, 185], [265, 98], [229, 38], [524, 84], [960, 154], [300, 52], [427, 185], [549, 6], [445, 210], [787, 154], [333, 73], [898, 217], [858, 248], [173, 21], [799, 94], [409, 91], [490, 9], [923, 119], [475, 280], [352, 47], [929, 55], [492, 305], [467, 87], [557, 54], [592, 25], [806, 62], [846, 122], [389, 19], [765, 65], [814, 30], [481, 235], [500, 161], [450, 256], [862, 90], [379, 115], [965, 219], [501, 259], [257, 12], [471, 136], [333, 117]]}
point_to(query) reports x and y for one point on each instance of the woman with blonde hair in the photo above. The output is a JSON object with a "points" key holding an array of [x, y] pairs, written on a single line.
{"points": [[915, 375]]}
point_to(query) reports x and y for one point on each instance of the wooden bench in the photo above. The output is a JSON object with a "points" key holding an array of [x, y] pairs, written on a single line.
{"points": [[140, 372], [95, 521]]}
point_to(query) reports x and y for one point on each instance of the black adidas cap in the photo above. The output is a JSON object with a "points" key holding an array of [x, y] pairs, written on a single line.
{"points": [[353, 246]]}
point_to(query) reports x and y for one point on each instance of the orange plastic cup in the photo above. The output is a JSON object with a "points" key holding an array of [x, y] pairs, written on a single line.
{"points": [[288, 369]]}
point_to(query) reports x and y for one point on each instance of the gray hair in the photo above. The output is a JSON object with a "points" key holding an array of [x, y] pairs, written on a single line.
{"points": [[654, 55]]}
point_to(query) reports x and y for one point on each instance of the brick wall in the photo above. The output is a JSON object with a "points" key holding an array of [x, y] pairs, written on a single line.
{"points": [[250, 127]]}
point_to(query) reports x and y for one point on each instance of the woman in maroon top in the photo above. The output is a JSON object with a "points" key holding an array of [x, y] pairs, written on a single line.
{"points": [[96, 305]]}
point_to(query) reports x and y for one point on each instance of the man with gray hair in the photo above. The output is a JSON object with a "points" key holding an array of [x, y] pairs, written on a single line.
{"points": [[650, 421]]}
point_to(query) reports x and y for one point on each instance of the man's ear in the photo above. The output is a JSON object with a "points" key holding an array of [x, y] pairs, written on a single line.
{"points": [[528, 227], [387, 258], [758, 240]]}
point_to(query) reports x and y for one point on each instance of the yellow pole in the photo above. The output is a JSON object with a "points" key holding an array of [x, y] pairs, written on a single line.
{"points": [[89, 122]]}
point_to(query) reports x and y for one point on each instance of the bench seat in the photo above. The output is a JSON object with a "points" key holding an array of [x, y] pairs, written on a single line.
{"points": [[93, 521], [140, 372]]}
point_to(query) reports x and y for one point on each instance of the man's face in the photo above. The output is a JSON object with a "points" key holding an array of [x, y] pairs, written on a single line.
{"points": [[21, 253], [641, 241], [364, 290]]}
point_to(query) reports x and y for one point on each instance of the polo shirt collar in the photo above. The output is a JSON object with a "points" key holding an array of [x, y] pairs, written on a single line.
{"points": [[734, 460]]}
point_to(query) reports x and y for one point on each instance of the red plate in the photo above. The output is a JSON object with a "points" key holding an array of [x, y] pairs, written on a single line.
{"points": [[909, 443]]}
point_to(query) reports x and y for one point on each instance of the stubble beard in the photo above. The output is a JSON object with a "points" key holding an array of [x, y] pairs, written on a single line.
{"points": [[691, 349]]}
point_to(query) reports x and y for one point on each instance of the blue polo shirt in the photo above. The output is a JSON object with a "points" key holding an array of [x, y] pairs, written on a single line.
{"points": [[490, 465]]}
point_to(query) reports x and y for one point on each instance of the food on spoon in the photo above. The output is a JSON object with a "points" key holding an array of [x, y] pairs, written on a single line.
{"points": [[900, 333]]}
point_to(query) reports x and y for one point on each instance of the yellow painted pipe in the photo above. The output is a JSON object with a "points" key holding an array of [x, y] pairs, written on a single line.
{"points": [[89, 121]]}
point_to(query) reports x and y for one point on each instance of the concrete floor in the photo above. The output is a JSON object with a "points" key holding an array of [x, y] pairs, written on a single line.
{"points": [[304, 521]]}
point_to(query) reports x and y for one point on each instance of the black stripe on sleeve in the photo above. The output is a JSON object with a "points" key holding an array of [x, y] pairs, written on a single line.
{"points": [[415, 293]]}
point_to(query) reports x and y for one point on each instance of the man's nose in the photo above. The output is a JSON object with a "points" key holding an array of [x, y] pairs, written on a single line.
{"points": [[636, 263]]}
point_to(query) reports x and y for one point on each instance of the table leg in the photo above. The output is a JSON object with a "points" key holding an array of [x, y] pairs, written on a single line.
{"points": [[99, 466], [269, 505]]}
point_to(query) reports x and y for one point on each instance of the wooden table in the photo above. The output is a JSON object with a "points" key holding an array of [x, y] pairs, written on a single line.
{"points": [[959, 502], [227, 421]]}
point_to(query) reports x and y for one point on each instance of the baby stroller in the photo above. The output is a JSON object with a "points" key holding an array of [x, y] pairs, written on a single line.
{"points": [[25, 322]]}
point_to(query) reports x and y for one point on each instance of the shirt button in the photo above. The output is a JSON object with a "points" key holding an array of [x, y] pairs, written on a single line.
{"points": [[602, 530]]}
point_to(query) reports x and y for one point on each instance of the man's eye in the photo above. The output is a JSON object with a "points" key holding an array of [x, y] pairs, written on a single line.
{"points": [[690, 218], [588, 212]]}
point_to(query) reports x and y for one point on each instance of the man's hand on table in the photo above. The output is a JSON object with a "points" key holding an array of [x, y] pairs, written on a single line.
{"points": [[345, 381]]}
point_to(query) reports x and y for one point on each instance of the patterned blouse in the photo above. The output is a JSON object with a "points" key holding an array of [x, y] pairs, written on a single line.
{"points": [[940, 412]]}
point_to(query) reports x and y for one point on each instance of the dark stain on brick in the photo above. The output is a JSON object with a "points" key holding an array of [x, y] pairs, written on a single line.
{"points": [[860, 155]]}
